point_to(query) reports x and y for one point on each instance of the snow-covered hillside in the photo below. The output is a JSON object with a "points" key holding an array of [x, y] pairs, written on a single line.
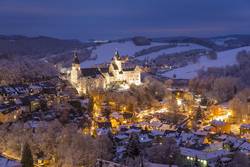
{"points": [[105, 52], [177, 49], [221, 41], [190, 71]]}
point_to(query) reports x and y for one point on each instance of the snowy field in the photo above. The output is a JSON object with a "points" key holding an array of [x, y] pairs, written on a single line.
{"points": [[179, 48], [190, 71], [105, 52]]}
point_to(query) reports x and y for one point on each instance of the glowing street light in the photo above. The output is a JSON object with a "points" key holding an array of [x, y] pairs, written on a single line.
{"points": [[179, 102]]}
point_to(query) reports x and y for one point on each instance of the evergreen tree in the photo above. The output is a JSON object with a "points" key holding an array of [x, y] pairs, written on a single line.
{"points": [[91, 105], [204, 101], [198, 114], [107, 112], [175, 118], [196, 162], [212, 55], [111, 138], [219, 163], [27, 159], [133, 147]]}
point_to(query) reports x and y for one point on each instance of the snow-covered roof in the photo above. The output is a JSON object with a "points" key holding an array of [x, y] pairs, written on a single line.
{"points": [[200, 133], [144, 138], [186, 136], [214, 146], [9, 163], [121, 136], [102, 131], [225, 159], [143, 123], [158, 165], [245, 126], [133, 131], [155, 124], [172, 134], [84, 101], [116, 115], [35, 86], [202, 154], [235, 141], [168, 127], [218, 123], [157, 133], [120, 149], [222, 137], [245, 147]]}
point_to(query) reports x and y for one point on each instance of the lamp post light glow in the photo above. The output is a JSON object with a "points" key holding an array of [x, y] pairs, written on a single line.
{"points": [[179, 102]]}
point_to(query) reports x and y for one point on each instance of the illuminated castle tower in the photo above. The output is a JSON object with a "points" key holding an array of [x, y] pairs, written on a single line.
{"points": [[75, 70]]}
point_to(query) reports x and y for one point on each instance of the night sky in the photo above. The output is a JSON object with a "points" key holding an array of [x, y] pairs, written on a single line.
{"points": [[110, 19]]}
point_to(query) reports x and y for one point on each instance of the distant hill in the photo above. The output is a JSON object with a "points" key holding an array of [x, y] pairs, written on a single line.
{"points": [[38, 46], [218, 43], [59, 51], [141, 41], [47, 48], [200, 41]]}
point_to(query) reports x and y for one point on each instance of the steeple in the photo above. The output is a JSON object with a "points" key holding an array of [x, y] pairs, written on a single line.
{"points": [[117, 55], [75, 69], [76, 59]]}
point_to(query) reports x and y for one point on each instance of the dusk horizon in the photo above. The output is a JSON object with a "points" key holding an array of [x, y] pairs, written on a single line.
{"points": [[85, 20]]}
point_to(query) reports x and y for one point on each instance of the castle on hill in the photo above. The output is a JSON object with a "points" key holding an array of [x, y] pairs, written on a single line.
{"points": [[117, 74]]}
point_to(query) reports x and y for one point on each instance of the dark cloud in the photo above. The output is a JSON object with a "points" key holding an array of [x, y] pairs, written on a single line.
{"points": [[118, 18]]}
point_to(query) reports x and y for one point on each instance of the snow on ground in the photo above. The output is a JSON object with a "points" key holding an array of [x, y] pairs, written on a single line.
{"points": [[105, 52], [158, 165], [8, 163], [179, 48], [190, 71]]}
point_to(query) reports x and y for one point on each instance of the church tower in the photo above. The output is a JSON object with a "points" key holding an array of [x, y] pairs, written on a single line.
{"points": [[75, 70], [116, 65]]}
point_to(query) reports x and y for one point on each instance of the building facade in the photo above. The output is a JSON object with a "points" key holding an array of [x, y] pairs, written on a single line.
{"points": [[116, 74]]}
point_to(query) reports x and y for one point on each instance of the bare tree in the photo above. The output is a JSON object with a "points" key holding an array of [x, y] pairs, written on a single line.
{"points": [[167, 152], [239, 160]]}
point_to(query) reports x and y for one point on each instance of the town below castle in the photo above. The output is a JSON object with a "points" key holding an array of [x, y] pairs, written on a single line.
{"points": [[124, 115]]}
